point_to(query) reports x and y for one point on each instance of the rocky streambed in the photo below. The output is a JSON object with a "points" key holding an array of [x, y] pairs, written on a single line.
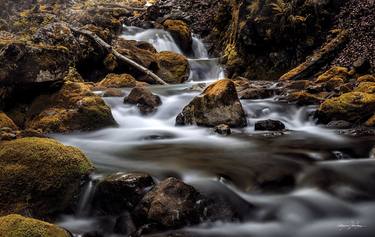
{"points": [[91, 144]]}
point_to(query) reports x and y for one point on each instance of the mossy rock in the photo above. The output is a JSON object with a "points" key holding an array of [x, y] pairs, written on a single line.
{"points": [[173, 67], [19, 226], [334, 72], [353, 107], [118, 81], [366, 87], [366, 78], [217, 104], [73, 107], [181, 32], [40, 176], [6, 122]]}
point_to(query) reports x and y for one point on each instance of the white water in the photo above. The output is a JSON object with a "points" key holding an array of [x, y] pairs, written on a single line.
{"points": [[154, 144]]}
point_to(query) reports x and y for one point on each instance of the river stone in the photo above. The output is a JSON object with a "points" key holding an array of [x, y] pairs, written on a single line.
{"points": [[269, 125], [122, 191], [174, 68], [217, 104], [144, 99], [19, 226], [39, 176], [181, 33], [171, 204], [118, 81], [223, 129]]}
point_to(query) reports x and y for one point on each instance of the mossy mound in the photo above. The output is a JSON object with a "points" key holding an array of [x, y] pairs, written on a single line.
{"points": [[366, 78], [118, 81], [73, 107], [366, 87], [352, 107], [173, 68], [334, 73], [19, 226], [40, 176], [6, 122]]}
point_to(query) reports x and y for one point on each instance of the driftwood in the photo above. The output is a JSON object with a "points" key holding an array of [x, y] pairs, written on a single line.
{"points": [[121, 57], [317, 59]]}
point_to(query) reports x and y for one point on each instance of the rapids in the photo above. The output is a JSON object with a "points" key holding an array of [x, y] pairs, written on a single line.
{"points": [[213, 163]]}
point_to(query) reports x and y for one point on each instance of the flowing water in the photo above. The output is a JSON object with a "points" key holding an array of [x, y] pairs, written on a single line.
{"points": [[232, 165]]}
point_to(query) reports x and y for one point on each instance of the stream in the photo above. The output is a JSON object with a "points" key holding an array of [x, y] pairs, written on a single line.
{"points": [[235, 166]]}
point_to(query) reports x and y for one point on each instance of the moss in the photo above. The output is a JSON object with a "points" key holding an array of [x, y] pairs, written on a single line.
{"points": [[5, 121], [334, 72], [39, 175], [118, 81], [351, 107], [173, 68], [19, 226], [366, 87], [366, 78], [305, 98]]}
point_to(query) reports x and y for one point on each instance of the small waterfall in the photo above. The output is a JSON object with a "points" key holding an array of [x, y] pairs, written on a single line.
{"points": [[87, 194]]}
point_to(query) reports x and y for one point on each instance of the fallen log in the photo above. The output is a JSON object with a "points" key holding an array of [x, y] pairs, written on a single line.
{"points": [[121, 57], [317, 59]]}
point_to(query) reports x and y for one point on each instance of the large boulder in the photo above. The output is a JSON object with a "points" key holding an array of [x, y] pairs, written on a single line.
{"points": [[121, 192], [73, 107], [181, 32], [170, 204], [39, 176], [217, 104], [352, 107], [19, 226], [118, 81], [146, 101], [173, 67]]}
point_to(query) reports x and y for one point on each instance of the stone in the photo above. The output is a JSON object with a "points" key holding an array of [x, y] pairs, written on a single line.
{"points": [[6, 122], [223, 129], [113, 92], [173, 67], [19, 226], [118, 81], [269, 125], [171, 204], [304, 98], [339, 124], [121, 192], [181, 32], [334, 72], [362, 65], [144, 99], [40, 176], [353, 107], [217, 104], [366, 78]]}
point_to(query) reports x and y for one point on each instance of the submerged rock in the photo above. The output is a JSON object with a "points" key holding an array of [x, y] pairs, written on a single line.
{"points": [[352, 107], [171, 204], [269, 125], [121, 192], [173, 68], [39, 176], [181, 33], [144, 99], [217, 104], [19, 226], [118, 81], [223, 129]]}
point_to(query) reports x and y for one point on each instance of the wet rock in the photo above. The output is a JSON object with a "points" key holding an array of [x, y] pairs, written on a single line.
{"points": [[366, 87], [371, 121], [113, 92], [217, 104], [298, 85], [223, 129], [253, 94], [269, 125], [366, 78], [16, 225], [181, 32], [40, 176], [362, 65], [121, 192], [372, 153], [334, 72], [334, 178], [303, 98], [339, 124], [352, 107], [144, 99], [173, 68], [73, 107], [6, 122], [118, 81], [124, 225], [171, 204]]}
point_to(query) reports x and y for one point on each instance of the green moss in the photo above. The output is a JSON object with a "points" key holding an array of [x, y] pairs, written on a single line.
{"points": [[39, 175], [19, 226]]}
